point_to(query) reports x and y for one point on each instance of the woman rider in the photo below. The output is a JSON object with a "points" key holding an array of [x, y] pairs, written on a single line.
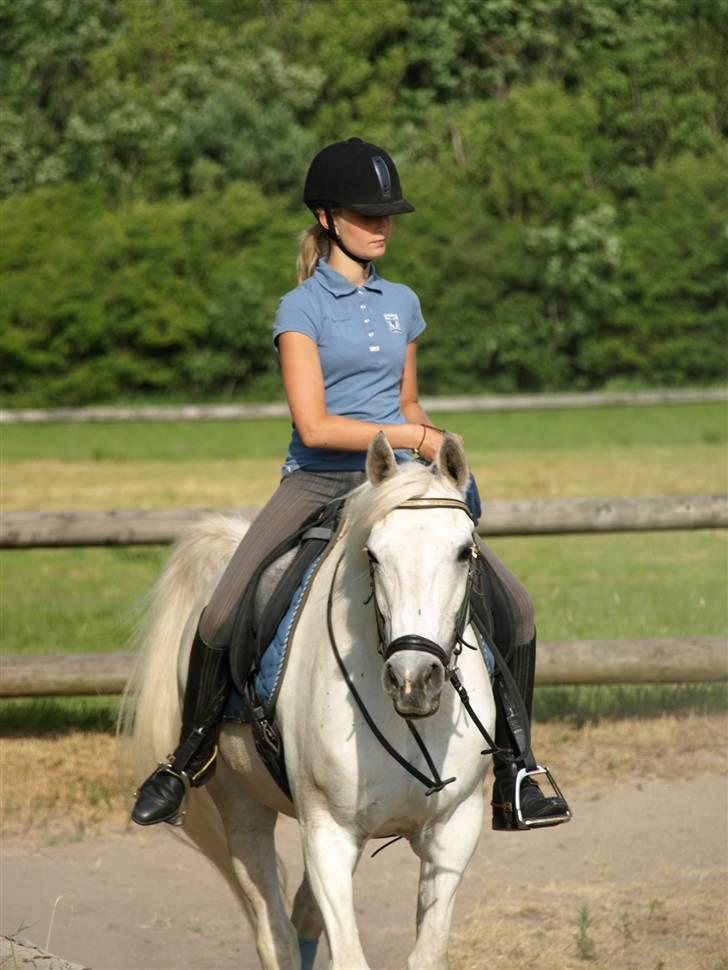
{"points": [[347, 341]]}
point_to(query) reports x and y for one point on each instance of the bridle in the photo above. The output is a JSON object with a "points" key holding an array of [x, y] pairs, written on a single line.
{"points": [[448, 658], [413, 641]]}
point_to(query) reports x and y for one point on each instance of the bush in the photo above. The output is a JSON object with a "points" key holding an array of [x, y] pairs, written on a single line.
{"points": [[565, 160]]}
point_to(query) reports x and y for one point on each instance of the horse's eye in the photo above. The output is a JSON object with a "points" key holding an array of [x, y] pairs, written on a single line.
{"points": [[372, 558], [465, 553]]}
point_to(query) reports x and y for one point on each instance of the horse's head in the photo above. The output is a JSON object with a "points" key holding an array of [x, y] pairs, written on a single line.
{"points": [[418, 536]]}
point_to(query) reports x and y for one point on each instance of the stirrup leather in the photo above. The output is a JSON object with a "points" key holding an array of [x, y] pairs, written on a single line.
{"points": [[523, 823]]}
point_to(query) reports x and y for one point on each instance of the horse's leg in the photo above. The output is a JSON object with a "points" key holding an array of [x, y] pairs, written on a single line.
{"points": [[331, 853], [249, 828], [445, 848], [306, 917]]}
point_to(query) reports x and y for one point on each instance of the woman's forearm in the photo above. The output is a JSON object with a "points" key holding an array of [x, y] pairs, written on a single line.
{"points": [[347, 434]]}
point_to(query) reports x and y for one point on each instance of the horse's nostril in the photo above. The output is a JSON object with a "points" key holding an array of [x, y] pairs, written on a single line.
{"points": [[392, 676]]}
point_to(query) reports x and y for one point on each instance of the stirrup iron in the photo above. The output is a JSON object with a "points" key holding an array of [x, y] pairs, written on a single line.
{"points": [[522, 823], [167, 768]]}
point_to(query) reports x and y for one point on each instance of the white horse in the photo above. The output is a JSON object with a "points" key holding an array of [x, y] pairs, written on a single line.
{"points": [[414, 557]]}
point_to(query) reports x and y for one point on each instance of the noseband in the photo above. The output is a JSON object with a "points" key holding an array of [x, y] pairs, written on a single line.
{"points": [[413, 641]]}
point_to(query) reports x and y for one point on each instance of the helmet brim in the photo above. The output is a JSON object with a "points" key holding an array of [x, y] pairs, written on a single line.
{"points": [[380, 208]]}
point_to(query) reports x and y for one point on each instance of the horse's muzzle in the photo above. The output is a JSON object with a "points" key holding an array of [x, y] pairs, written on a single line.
{"points": [[414, 680]]}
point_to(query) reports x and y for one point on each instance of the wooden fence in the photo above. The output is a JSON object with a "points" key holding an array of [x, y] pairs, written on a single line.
{"points": [[443, 405], [664, 660], [122, 527]]}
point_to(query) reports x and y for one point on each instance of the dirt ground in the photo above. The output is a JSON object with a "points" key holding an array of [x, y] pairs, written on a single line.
{"points": [[637, 881]]}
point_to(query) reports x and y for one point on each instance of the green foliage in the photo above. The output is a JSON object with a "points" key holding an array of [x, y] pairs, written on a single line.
{"points": [[566, 158], [145, 299], [164, 103], [674, 313]]}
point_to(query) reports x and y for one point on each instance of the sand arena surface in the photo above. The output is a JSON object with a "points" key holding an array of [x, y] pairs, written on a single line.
{"points": [[637, 881]]}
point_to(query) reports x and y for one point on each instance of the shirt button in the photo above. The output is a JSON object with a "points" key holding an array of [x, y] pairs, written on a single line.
{"points": [[362, 306], [371, 333]]}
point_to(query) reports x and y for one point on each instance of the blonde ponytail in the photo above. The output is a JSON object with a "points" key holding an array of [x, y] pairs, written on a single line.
{"points": [[313, 244]]}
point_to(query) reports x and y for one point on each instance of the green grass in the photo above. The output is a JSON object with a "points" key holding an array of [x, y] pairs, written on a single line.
{"points": [[589, 703], [628, 586], [624, 586], [584, 587], [147, 441], [578, 705], [673, 426], [55, 715], [74, 600]]}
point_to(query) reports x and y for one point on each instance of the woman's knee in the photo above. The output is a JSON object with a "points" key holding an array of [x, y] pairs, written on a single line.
{"points": [[515, 613], [215, 626], [526, 618]]}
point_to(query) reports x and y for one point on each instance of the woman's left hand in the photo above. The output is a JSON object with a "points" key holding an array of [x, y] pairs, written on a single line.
{"points": [[432, 439]]}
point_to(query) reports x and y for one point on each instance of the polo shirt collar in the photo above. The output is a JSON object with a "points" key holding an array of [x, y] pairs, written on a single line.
{"points": [[338, 285]]}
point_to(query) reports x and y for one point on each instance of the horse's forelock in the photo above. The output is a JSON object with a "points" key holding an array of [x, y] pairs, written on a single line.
{"points": [[369, 503]]}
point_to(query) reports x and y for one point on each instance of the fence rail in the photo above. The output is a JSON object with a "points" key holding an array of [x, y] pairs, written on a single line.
{"points": [[278, 409], [665, 660], [123, 527]]}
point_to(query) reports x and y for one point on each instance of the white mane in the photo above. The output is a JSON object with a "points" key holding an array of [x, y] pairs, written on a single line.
{"points": [[368, 503]]}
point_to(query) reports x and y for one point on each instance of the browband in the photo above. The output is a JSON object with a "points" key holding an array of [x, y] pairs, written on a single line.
{"points": [[434, 503]]}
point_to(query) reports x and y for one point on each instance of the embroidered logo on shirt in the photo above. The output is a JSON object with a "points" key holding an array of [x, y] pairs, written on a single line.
{"points": [[393, 321]]}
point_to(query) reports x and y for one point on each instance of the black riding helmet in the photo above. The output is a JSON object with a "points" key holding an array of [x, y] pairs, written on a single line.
{"points": [[354, 175]]}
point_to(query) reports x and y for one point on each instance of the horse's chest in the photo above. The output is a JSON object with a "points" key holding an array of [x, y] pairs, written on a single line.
{"points": [[371, 789]]}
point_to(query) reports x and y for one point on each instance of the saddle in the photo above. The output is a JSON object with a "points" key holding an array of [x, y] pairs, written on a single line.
{"points": [[250, 635]]}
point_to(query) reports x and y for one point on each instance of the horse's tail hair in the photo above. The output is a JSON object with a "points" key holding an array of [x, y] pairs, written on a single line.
{"points": [[150, 716]]}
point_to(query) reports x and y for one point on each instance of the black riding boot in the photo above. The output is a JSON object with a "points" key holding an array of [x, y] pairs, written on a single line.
{"points": [[160, 797], [518, 802]]}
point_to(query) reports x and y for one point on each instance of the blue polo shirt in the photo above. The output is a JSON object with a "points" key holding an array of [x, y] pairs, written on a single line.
{"points": [[362, 335]]}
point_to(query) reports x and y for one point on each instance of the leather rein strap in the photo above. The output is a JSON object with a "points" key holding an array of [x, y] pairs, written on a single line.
{"points": [[432, 785], [415, 642]]}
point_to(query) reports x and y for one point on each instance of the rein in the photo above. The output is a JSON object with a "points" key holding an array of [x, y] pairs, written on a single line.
{"points": [[432, 785], [416, 642]]}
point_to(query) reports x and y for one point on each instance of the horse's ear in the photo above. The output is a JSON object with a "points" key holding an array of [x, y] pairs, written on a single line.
{"points": [[381, 462], [451, 461]]}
